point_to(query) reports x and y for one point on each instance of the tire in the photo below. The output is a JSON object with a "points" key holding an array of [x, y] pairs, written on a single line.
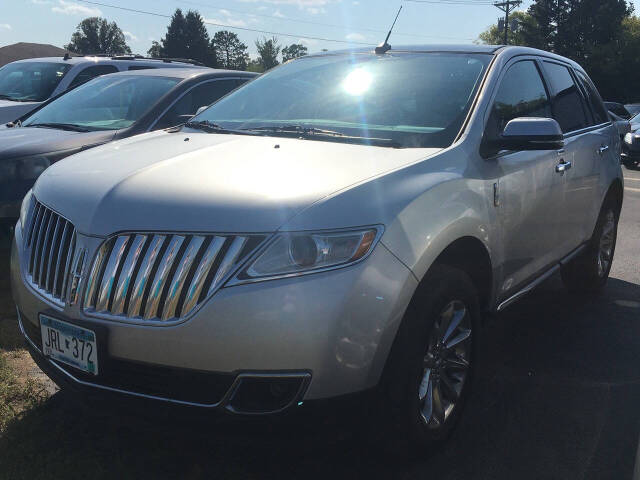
{"points": [[420, 369], [588, 273]]}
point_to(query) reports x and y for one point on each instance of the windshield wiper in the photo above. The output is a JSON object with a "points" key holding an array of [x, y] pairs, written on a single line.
{"points": [[11, 99], [311, 132], [210, 127], [61, 126]]}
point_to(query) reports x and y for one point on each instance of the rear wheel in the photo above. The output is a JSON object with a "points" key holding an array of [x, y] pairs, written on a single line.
{"points": [[589, 271], [430, 367]]}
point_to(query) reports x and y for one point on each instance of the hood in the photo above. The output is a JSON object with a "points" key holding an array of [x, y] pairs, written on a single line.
{"points": [[207, 182], [20, 142], [10, 111]]}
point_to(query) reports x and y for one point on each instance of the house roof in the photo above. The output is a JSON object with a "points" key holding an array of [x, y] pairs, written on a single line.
{"points": [[22, 50]]}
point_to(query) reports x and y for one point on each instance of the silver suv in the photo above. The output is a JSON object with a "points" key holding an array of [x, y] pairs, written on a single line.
{"points": [[341, 223]]}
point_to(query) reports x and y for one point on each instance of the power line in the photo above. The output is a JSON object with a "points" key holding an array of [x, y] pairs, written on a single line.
{"points": [[507, 7], [311, 22], [230, 27]]}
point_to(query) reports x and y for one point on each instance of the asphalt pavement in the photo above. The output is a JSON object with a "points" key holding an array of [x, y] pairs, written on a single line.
{"points": [[556, 397]]}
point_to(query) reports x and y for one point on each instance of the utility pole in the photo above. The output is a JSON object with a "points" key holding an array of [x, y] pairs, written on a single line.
{"points": [[507, 7]]}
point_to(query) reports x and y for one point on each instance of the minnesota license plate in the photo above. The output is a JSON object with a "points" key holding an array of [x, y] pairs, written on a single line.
{"points": [[70, 344]]}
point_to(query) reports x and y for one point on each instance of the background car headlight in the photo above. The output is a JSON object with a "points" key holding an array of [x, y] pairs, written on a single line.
{"points": [[292, 254], [23, 168], [628, 138], [26, 207]]}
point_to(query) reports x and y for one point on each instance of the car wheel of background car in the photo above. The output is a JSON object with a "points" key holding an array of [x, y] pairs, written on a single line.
{"points": [[589, 271], [430, 367]]}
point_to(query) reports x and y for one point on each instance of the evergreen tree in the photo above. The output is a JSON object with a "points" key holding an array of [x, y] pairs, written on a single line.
{"points": [[186, 37], [268, 51], [230, 52]]}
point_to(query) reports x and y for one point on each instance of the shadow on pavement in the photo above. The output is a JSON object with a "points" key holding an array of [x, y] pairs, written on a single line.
{"points": [[555, 397]]}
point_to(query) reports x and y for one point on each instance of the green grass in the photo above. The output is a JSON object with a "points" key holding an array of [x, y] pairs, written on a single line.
{"points": [[17, 395]]}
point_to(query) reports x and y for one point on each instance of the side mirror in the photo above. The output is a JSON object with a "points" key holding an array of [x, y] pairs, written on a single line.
{"points": [[529, 133], [202, 109]]}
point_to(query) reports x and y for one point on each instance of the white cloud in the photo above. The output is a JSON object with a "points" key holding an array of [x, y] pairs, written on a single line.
{"points": [[130, 36], [72, 8], [41, 2], [233, 22], [278, 14], [309, 42], [312, 6], [355, 37], [5, 26]]}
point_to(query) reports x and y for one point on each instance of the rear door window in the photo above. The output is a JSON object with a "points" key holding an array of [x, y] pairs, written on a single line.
{"points": [[521, 94], [92, 72], [593, 98], [568, 104]]}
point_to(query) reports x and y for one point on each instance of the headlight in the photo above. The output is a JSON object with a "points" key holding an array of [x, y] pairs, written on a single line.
{"points": [[26, 206], [291, 254], [24, 168]]}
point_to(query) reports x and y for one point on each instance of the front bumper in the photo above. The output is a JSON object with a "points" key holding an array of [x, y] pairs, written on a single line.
{"points": [[330, 331]]}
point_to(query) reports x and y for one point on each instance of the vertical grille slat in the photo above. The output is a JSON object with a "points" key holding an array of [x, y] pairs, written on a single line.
{"points": [[144, 272], [179, 278], [50, 246], [229, 260], [157, 287], [147, 277], [109, 275], [127, 272], [197, 284]]}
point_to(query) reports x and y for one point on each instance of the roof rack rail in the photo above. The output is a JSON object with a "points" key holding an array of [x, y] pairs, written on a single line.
{"points": [[141, 57]]}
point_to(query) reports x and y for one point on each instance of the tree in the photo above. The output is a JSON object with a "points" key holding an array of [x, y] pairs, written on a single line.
{"points": [[493, 36], [155, 51], [268, 51], [186, 37], [293, 51], [97, 35], [230, 52], [255, 66]]}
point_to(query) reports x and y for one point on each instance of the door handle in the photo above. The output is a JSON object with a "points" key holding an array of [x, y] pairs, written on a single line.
{"points": [[563, 166], [603, 149]]}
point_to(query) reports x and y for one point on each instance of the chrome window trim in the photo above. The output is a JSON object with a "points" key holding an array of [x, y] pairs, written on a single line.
{"points": [[153, 124]]}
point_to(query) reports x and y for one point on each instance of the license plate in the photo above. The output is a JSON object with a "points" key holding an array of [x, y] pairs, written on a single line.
{"points": [[70, 344]]}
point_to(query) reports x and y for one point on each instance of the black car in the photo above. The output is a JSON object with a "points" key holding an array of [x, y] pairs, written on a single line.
{"points": [[107, 108]]}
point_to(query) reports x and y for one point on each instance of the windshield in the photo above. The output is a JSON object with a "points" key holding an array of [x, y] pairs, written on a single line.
{"points": [[30, 81], [410, 99], [104, 103]]}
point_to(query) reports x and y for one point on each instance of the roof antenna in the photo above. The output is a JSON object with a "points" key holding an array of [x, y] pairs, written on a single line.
{"points": [[385, 47]]}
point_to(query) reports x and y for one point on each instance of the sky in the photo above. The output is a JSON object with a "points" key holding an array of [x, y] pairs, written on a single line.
{"points": [[319, 24]]}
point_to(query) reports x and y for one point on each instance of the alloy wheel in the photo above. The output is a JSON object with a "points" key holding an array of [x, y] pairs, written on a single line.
{"points": [[607, 242], [446, 364]]}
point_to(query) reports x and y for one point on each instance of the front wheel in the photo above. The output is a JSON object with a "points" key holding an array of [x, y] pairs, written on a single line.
{"points": [[431, 364], [589, 271]]}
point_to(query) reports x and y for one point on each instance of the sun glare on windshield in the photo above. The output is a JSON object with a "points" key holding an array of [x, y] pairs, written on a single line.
{"points": [[357, 82]]}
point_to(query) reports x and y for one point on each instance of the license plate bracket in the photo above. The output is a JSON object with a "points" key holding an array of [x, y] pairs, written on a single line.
{"points": [[70, 344]]}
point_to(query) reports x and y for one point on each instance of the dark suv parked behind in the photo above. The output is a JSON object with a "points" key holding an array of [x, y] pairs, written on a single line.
{"points": [[106, 108]]}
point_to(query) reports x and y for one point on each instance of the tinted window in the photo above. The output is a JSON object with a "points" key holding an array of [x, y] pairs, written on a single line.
{"points": [[618, 109], [30, 81], [521, 94], [407, 99], [598, 110], [105, 103], [200, 96], [140, 67], [568, 107], [92, 72]]}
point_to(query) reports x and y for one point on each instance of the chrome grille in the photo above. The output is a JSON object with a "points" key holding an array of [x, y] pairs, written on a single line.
{"points": [[50, 243], [161, 277]]}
